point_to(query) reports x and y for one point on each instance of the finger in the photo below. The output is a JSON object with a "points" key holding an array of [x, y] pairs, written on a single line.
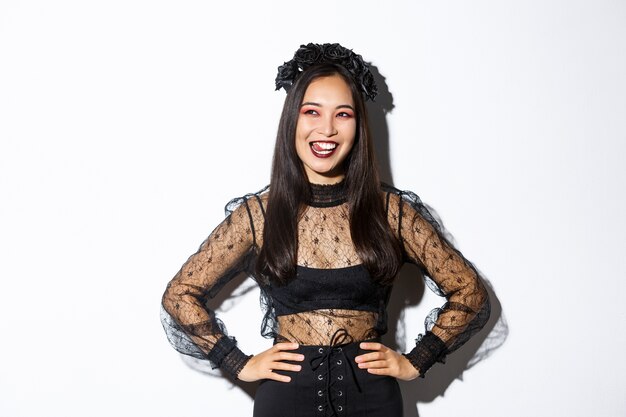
{"points": [[284, 366], [285, 346], [371, 346], [286, 356], [372, 356], [379, 371], [278, 377], [373, 364]]}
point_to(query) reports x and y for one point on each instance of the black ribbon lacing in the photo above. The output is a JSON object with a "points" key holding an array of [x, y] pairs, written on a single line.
{"points": [[340, 339]]}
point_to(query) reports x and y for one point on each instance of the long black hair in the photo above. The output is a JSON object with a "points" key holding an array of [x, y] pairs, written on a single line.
{"points": [[373, 239]]}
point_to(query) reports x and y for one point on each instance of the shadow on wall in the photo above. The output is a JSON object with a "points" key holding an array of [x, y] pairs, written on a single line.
{"points": [[408, 291]]}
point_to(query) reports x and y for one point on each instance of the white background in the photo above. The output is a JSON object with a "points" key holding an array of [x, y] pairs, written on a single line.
{"points": [[126, 125]]}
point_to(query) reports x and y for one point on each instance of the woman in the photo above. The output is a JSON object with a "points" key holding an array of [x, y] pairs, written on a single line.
{"points": [[324, 243]]}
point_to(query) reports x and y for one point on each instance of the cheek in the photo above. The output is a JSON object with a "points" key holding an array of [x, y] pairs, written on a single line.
{"points": [[301, 145], [302, 130], [348, 148], [301, 149], [350, 135]]}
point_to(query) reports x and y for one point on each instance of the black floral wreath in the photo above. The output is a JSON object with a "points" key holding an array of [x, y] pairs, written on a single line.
{"points": [[328, 53]]}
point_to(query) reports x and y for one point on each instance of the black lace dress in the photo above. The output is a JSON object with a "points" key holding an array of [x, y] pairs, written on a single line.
{"points": [[332, 301]]}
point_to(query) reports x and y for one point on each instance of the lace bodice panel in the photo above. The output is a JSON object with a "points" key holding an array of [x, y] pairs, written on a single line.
{"points": [[324, 243], [324, 238]]}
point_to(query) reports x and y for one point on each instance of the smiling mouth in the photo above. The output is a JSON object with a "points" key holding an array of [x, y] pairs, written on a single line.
{"points": [[323, 149]]}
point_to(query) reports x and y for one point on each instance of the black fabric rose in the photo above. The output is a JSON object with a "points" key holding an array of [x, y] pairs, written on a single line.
{"points": [[336, 52], [307, 55], [355, 64], [368, 85], [287, 73]]}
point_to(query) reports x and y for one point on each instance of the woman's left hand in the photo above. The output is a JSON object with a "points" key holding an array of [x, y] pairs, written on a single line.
{"points": [[385, 361]]}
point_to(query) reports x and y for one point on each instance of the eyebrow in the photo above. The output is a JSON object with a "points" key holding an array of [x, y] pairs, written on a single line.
{"points": [[341, 106]]}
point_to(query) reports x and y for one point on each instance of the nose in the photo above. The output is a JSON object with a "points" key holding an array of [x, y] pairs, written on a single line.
{"points": [[327, 126]]}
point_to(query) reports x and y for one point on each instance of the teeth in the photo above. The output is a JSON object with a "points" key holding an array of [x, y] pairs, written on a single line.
{"points": [[325, 145]]}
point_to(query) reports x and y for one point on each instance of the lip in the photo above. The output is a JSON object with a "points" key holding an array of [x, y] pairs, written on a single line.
{"points": [[325, 154]]}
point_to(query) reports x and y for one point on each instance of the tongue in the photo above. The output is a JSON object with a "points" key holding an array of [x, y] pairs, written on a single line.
{"points": [[319, 148]]}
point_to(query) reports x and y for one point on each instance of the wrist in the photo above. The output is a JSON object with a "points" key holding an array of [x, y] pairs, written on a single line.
{"points": [[428, 350], [228, 357], [234, 362], [408, 372]]}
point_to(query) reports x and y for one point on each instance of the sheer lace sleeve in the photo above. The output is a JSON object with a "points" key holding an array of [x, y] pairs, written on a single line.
{"points": [[447, 273], [191, 327]]}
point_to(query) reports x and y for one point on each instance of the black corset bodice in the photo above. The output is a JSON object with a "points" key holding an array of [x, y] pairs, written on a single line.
{"points": [[341, 288]]}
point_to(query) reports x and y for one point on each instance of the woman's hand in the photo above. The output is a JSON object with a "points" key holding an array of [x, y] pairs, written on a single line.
{"points": [[385, 361], [262, 366]]}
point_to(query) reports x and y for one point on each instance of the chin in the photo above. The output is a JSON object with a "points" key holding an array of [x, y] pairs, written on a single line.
{"points": [[328, 175], [324, 171]]}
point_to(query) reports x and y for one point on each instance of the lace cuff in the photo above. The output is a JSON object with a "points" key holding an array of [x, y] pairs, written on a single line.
{"points": [[428, 350], [228, 357]]}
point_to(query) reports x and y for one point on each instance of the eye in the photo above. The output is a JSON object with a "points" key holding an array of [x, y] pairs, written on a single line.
{"points": [[344, 114], [312, 112]]}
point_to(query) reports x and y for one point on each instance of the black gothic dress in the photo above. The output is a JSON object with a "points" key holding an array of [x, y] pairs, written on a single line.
{"points": [[329, 307]]}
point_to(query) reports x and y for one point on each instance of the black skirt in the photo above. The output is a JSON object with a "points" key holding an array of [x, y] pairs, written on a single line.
{"points": [[330, 383]]}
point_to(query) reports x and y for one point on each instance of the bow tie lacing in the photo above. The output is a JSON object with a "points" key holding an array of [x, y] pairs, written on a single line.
{"points": [[340, 339]]}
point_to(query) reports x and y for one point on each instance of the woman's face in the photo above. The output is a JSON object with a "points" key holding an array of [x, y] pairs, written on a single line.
{"points": [[325, 129]]}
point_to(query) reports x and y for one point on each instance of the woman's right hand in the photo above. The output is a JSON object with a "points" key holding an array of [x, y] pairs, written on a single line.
{"points": [[262, 366]]}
